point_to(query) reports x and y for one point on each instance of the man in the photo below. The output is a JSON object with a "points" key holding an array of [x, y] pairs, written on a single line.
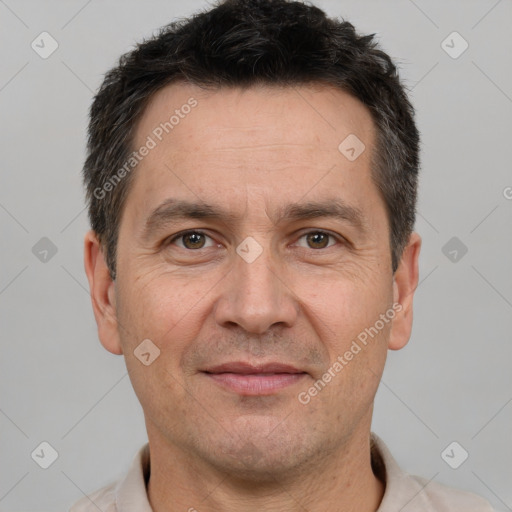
{"points": [[251, 180]]}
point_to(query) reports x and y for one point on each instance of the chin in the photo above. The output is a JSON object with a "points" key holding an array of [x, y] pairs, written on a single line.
{"points": [[260, 459]]}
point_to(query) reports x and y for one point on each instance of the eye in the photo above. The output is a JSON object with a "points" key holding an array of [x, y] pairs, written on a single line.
{"points": [[317, 240], [192, 240]]}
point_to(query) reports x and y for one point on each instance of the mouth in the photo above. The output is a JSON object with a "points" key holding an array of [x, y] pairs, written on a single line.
{"points": [[250, 380]]}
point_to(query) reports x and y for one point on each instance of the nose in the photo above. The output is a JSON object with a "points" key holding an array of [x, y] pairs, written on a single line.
{"points": [[256, 296]]}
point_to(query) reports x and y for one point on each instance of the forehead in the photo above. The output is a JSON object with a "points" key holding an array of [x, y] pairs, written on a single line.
{"points": [[320, 115], [271, 140]]}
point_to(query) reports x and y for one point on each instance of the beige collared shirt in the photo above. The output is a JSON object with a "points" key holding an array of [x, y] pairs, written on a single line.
{"points": [[404, 492]]}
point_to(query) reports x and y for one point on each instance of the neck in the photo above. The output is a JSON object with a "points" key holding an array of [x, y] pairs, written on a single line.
{"points": [[344, 481]]}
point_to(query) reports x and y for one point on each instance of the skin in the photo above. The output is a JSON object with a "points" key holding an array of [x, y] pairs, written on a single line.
{"points": [[252, 152]]}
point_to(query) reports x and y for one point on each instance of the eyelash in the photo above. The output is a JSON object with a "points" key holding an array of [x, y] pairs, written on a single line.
{"points": [[200, 232]]}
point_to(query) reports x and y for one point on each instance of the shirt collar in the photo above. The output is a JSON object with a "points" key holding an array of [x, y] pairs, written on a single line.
{"points": [[131, 492]]}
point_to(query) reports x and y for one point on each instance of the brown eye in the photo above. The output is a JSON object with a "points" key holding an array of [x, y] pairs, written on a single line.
{"points": [[317, 239], [192, 240]]}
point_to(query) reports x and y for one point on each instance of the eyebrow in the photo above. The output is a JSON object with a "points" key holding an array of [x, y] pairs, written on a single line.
{"points": [[334, 208], [172, 210]]}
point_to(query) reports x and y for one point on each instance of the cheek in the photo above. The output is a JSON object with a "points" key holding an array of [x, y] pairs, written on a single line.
{"points": [[163, 307], [344, 315], [170, 312], [340, 309]]}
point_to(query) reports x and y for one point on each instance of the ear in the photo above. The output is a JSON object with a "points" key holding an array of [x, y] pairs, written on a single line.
{"points": [[102, 293], [405, 282]]}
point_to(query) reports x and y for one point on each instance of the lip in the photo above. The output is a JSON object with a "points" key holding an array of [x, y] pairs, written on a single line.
{"points": [[253, 380], [243, 368]]}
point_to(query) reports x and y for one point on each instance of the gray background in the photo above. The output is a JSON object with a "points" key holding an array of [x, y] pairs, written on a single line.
{"points": [[451, 383]]}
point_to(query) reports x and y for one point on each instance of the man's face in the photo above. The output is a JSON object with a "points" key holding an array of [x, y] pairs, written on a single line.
{"points": [[285, 261]]}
